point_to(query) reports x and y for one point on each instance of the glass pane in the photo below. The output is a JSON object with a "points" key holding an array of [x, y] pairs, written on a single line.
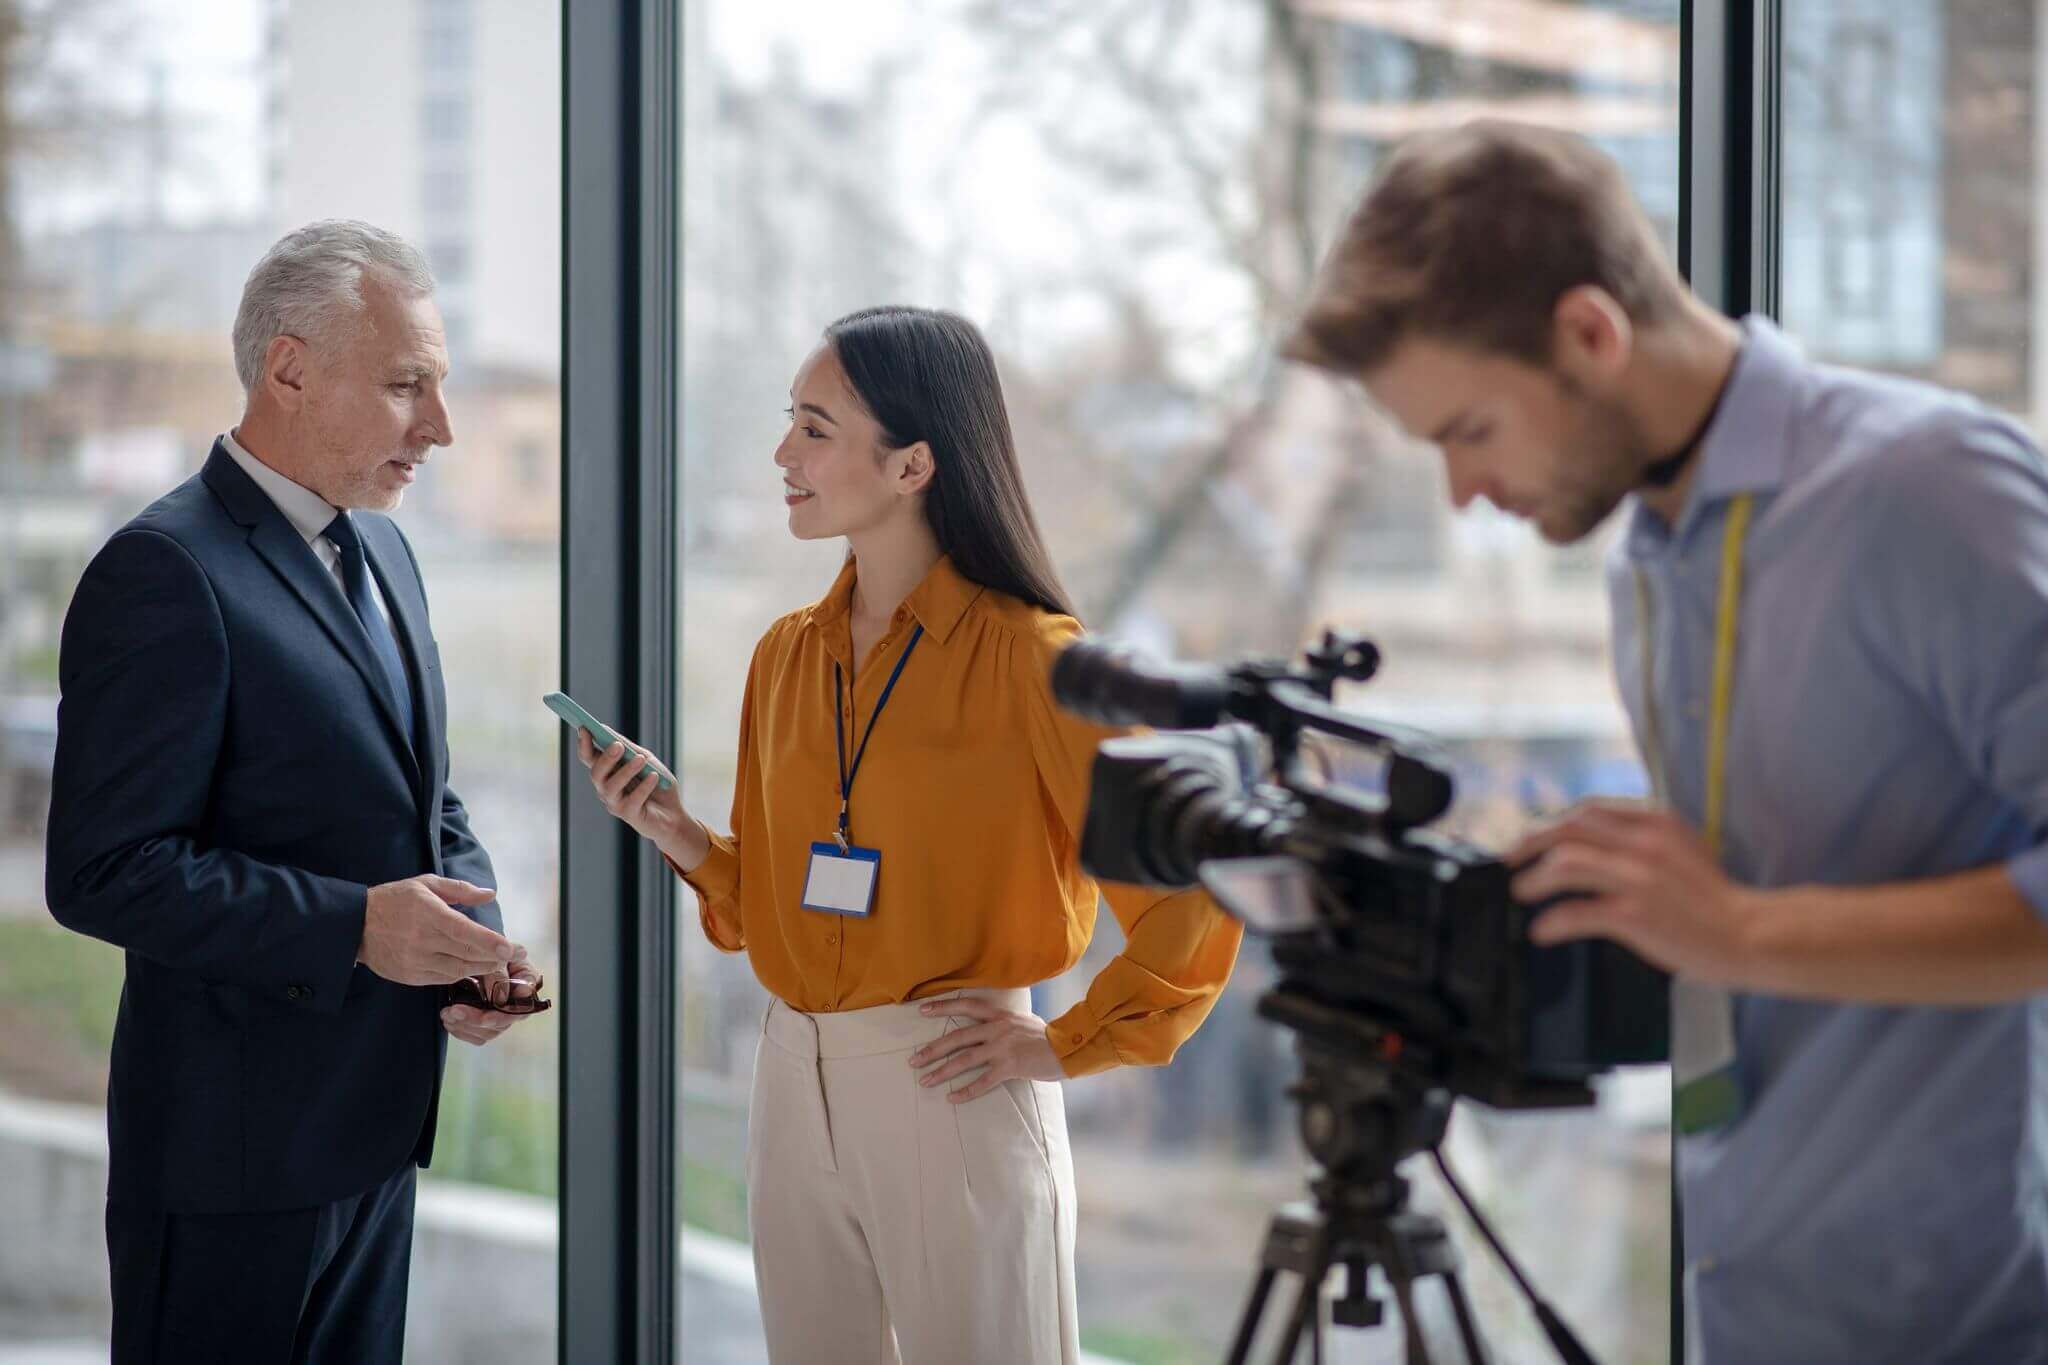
{"points": [[1911, 241], [1129, 199], [151, 150]]}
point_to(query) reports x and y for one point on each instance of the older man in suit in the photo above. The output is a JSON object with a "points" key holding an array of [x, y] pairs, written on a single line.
{"points": [[251, 798]]}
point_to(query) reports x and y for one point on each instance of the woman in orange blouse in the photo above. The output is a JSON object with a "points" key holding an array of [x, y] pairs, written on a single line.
{"points": [[910, 1184]]}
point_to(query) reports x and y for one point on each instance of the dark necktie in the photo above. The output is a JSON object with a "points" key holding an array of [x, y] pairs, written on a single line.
{"points": [[355, 580]]}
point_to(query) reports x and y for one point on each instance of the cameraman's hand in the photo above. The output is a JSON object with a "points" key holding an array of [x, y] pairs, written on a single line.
{"points": [[616, 775], [414, 936], [1012, 1046], [1644, 879]]}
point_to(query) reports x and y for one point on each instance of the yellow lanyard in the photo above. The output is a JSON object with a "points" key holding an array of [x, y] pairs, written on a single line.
{"points": [[1727, 608]]}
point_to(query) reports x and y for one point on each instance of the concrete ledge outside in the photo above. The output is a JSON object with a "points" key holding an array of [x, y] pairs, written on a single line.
{"points": [[483, 1266]]}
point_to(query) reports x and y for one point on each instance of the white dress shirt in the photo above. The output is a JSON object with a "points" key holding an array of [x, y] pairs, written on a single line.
{"points": [[308, 512]]}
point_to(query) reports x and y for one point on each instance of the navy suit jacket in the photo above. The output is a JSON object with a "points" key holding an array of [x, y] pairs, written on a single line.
{"points": [[232, 776]]}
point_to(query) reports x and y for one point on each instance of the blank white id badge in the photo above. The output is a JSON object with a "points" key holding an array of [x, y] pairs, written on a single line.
{"points": [[842, 881]]}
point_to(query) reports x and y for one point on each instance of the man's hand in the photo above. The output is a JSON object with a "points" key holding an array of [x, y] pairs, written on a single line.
{"points": [[478, 1027], [1647, 881], [1644, 879], [1010, 1046], [412, 935]]}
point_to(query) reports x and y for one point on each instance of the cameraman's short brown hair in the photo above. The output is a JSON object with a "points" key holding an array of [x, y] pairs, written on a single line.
{"points": [[1469, 236]]}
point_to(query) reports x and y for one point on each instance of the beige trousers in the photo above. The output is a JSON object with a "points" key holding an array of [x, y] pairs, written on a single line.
{"points": [[891, 1225]]}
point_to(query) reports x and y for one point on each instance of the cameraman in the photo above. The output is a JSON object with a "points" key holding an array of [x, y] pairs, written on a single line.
{"points": [[1830, 610]]}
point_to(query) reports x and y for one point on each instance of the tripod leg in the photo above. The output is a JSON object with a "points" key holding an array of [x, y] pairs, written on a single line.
{"points": [[1254, 1309], [1306, 1307], [1411, 1325], [1468, 1328], [1401, 1275]]}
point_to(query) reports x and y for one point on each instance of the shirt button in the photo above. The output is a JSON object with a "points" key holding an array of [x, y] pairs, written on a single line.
{"points": [[298, 992]]}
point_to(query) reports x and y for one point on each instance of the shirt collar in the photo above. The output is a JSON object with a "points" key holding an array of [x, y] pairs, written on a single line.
{"points": [[1746, 447], [308, 512], [939, 602]]}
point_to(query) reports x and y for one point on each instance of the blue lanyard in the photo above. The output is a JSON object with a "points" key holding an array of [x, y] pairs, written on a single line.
{"points": [[846, 775]]}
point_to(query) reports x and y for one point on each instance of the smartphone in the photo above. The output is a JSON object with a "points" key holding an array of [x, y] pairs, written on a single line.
{"points": [[563, 705]]}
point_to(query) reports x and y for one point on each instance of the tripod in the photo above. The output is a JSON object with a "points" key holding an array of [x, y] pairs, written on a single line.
{"points": [[1358, 1225], [1365, 1107]]}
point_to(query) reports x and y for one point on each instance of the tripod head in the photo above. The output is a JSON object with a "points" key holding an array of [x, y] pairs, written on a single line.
{"points": [[1366, 1106]]}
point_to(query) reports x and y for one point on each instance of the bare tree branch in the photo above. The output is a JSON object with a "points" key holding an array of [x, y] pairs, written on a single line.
{"points": [[53, 111], [1123, 113]]}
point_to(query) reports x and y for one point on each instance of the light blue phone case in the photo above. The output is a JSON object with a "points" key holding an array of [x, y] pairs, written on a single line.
{"points": [[563, 705]]}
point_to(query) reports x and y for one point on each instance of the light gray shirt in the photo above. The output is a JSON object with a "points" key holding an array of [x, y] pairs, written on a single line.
{"points": [[1882, 1196], [308, 512]]}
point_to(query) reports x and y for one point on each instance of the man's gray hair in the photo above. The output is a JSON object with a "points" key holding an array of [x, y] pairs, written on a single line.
{"points": [[310, 285]]}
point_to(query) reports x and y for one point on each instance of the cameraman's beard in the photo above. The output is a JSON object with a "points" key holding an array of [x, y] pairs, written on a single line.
{"points": [[1610, 452]]}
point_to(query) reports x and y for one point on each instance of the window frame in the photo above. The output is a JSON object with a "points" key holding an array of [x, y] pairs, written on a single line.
{"points": [[620, 180], [1731, 74]]}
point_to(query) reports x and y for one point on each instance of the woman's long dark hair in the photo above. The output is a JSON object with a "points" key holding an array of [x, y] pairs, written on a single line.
{"points": [[928, 376]]}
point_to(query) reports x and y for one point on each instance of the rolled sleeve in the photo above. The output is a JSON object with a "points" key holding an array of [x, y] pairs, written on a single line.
{"points": [[1968, 610], [2029, 872]]}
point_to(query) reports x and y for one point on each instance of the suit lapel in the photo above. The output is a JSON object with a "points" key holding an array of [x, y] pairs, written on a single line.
{"points": [[292, 559]]}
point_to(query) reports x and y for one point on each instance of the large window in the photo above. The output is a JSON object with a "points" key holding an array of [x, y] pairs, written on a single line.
{"points": [[1130, 199], [150, 150], [1912, 235]]}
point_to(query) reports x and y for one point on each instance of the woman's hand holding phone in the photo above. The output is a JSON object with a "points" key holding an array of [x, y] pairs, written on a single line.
{"points": [[650, 809]]}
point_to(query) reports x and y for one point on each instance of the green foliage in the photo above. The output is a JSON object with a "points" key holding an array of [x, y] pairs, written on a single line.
{"points": [[714, 1200], [70, 982]]}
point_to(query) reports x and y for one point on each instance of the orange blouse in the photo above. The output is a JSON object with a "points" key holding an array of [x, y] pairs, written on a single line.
{"points": [[973, 789]]}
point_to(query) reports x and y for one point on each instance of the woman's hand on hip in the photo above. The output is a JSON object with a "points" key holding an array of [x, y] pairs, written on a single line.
{"points": [[1011, 1045], [625, 788]]}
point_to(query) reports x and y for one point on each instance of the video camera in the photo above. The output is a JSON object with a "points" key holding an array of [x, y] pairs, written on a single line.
{"points": [[1406, 970], [1370, 912]]}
